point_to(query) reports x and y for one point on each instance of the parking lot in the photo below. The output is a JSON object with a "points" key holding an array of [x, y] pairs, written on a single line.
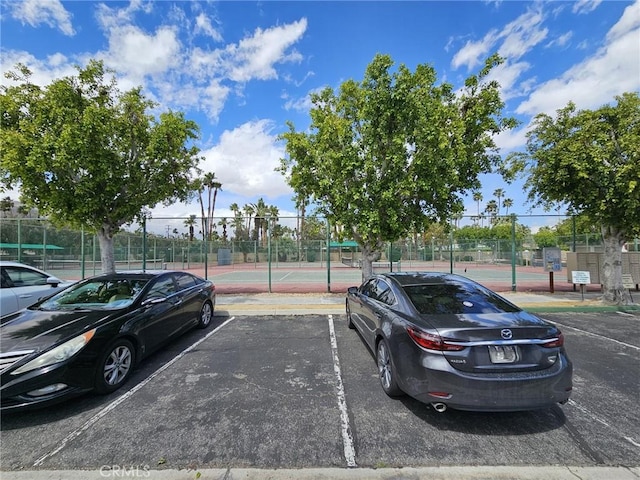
{"points": [[294, 392]]}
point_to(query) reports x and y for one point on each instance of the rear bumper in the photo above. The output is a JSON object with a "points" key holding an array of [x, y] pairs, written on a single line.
{"points": [[488, 392]]}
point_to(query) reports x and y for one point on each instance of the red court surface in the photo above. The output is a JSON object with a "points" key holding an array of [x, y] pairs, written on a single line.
{"points": [[316, 278]]}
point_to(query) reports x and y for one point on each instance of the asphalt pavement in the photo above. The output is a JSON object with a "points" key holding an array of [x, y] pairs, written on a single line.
{"points": [[332, 304]]}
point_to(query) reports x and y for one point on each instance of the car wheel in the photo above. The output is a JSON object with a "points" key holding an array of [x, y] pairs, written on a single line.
{"points": [[386, 372], [115, 366], [349, 320], [206, 315]]}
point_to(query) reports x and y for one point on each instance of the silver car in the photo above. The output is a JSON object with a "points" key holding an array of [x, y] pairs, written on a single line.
{"points": [[22, 285], [450, 342]]}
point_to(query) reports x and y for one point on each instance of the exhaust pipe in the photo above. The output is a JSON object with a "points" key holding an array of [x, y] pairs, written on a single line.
{"points": [[439, 407]]}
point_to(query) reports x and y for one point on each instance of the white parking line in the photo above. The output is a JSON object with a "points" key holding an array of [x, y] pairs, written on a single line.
{"points": [[601, 421], [347, 437], [76, 433], [598, 336]]}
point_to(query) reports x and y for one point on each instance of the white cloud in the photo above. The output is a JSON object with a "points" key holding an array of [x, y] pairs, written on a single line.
{"points": [[614, 69], [44, 71], [245, 158], [135, 53], [518, 37], [203, 25], [49, 12], [473, 53], [585, 6], [511, 140], [507, 75], [629, 22], [560, 41], [254, 57], [302, 104], [521, 35], [113, 17]]}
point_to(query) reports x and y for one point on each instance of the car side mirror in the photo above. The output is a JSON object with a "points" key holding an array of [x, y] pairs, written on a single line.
{"points": [[53, 281], [352, 290]]}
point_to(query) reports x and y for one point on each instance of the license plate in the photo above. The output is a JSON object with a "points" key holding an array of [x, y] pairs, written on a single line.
{"points": [[503, 353]]}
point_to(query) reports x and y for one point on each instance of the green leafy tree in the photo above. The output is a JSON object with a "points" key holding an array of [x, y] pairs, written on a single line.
{"points": [[589, 160], [87, 155], [546, 237], [395, 152]]}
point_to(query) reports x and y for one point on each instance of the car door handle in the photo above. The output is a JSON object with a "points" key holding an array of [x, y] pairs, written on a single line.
{"points": [[26, 295]]}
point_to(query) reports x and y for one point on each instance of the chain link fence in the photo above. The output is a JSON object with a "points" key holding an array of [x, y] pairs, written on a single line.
{"points": [[246, 243]]}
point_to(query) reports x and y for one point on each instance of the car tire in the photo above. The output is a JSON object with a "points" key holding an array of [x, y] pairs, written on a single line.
{"points": [[349, 320], [386, 371], [115, 366], [206, 315]]}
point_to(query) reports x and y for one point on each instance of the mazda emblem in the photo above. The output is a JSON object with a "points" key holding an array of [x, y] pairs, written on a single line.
{"points": [[506, 333]]}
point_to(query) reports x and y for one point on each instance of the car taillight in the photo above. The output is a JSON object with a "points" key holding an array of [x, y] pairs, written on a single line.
{"points": [[432, 341], [555, 342]]}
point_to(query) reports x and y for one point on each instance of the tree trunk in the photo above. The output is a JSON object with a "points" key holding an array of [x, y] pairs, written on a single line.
{"points": [[107, 259], [613, 291], [368, 257]]}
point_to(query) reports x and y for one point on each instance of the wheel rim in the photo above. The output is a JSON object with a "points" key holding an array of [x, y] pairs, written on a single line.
{"points": [[117, 366], [384, 365], [205, 314]]}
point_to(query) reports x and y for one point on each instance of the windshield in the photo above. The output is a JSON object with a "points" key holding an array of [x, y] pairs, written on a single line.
{"points": [[112, 293], [456, 298]]}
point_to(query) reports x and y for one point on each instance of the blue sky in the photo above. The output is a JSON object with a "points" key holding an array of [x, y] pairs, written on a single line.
{"points": [[242, 69]]}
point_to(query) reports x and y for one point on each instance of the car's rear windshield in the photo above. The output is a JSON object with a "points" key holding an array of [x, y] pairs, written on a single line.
{"points": [[456, 298]]}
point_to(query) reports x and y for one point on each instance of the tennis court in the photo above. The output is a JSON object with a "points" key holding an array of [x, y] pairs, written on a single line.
{"points": [[318, 277]]}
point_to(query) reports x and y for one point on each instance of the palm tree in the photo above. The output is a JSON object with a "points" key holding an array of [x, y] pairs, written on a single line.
{"points": [[498, 193], [274, 213], [248, 210], [261, 210], [208, 182], [223, 224], [190, 223], [492, 210], [477, 197], [237, 221], [507, 203]]}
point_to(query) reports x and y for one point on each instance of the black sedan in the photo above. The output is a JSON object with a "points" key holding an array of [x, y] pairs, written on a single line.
{"points": [[450, 342], [91, 335]]}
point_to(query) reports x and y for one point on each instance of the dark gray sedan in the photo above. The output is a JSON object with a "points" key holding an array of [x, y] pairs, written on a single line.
{"points": [[450, 342]]}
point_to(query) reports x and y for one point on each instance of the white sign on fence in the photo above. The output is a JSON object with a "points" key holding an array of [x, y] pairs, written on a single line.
{"points": [[580, 277], [627, 281]]}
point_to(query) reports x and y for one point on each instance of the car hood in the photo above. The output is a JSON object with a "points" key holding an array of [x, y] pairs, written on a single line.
{"points": [[37, 330], [473, 327]]}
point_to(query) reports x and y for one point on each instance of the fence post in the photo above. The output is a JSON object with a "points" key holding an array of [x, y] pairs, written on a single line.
{"points": [[44, 246], [206, 246], [268, 218], [328, 257], [513, 253], [82, 260], [144, 243], [451, 251]]}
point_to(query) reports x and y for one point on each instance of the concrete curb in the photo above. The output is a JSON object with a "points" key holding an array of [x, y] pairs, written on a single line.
{"points": [[325, 304], [408, 473]]}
